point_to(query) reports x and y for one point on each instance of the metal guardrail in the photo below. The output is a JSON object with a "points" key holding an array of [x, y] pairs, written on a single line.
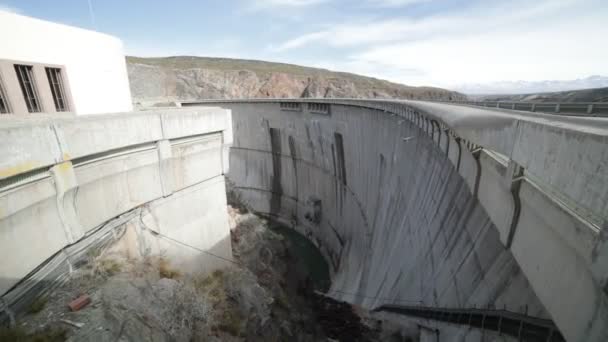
{"points": [[522, 327], [590, 109], [594, 109]]}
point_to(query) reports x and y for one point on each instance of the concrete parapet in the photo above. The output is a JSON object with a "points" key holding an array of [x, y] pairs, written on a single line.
{"points": [[64, 181]]}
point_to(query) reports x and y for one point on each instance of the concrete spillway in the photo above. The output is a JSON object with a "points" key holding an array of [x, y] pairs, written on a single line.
{"points": [[411, 203]]}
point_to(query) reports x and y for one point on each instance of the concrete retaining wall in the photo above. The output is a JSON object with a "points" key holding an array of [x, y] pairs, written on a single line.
{"points": [[65, 181], [407, 211]]}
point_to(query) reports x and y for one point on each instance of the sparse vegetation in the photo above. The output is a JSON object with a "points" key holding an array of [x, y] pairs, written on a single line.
{"points": [[281, 301], [37, 305], [110, 266], [166, 271], [343, 84], [205, 282], [230, 322], [18, 334], [93, 253]]}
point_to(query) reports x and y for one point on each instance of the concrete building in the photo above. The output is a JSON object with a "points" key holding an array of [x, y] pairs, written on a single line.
{"points": [[48, 68]]}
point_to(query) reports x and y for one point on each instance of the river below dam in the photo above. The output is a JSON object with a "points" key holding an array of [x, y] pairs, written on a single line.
{"points": [[309, 260]]}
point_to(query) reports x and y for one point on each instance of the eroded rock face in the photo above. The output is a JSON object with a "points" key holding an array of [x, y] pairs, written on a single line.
{"points": [[158, 84]]}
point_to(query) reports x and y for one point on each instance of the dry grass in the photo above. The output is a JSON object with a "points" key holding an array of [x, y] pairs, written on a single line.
{"points": [[37, 305], [228, 319], [110, 266], [203, 283], [18, 334], [230, 322], [166, 271]]}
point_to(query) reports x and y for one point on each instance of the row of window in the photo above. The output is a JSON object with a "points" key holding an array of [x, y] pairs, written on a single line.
{"points": [[318, 108], [27, 83]]}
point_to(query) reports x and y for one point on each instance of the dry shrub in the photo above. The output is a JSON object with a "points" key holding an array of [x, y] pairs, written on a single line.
{"points": [[166, 271]]}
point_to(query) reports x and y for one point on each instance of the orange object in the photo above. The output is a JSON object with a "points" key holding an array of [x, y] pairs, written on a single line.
{"points": [[79, 302]]}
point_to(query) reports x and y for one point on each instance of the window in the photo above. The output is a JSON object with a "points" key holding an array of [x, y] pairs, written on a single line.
{"points": [[3, 100], [318, 108], [57, 89], [25, 76], [295, 106]]}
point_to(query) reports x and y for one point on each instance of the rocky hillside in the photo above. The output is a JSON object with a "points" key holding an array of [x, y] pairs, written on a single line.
{"points": [[584, 95], [158, 80]]}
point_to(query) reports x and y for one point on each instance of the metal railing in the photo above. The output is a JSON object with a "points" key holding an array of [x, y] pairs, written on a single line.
{"points": [[522, 327], [595, 109]]}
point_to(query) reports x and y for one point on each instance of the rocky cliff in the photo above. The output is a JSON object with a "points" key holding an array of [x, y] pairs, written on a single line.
{"points": [[161, 80]]}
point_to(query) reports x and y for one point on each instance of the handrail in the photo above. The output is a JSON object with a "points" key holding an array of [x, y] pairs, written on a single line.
{"points": [[522, 327], [593, 109], [585, 109]]}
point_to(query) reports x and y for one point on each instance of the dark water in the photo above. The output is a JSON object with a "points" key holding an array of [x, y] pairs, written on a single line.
{"points": [[309, 258]]}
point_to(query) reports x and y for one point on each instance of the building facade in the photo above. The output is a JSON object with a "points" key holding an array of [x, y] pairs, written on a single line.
{"points": [[53, 68]]}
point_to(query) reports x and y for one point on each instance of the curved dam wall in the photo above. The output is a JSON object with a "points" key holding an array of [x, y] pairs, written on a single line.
{"points": [[407, 211], [385, 205], [151, 183], [412, 203]]}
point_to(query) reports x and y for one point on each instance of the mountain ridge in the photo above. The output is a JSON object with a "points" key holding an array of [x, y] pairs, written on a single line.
{"points": [[190, 78], [533, 87], [570, 96]]}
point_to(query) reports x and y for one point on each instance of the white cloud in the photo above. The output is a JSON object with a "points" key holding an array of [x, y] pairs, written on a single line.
{"points": [[546, 39], [5, 8], [480, 19], [558, 51], [395, 3], [285, 3]]}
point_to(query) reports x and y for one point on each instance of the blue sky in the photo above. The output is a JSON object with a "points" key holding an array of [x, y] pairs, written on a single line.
{"points": [[417, 42]]}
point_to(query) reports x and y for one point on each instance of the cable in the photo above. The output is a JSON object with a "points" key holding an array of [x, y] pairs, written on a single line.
{"points": [[196, 248], [145, 226], [376, 297], [243, 266]]}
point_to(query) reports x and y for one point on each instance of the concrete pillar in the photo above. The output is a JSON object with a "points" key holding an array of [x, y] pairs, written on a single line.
{"points": [[454, 151], [227, 140], [513, 179], [166, 167], [66, 185], [444, 141]]}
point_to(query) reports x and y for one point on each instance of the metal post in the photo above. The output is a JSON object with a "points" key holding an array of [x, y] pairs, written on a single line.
{"points": [[499, 325], [521, 326]]}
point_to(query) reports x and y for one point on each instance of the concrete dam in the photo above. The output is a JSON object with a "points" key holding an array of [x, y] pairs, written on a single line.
{"points": [[441, 211]]}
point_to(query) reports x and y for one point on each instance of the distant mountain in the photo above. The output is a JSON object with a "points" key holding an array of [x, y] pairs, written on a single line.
{"points": [[183, 78], [584, 95], [525, 87]]}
